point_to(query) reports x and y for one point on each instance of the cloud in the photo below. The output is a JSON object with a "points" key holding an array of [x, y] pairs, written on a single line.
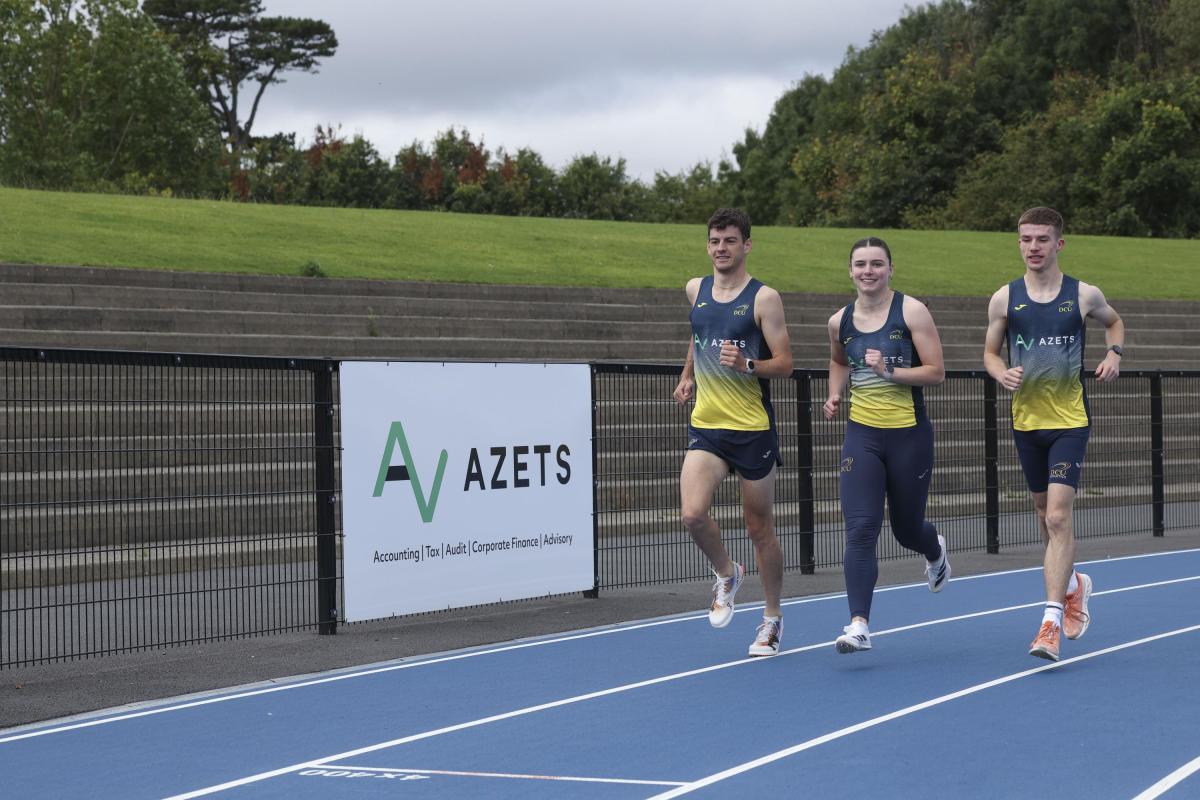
{"points": [[662, 83]]}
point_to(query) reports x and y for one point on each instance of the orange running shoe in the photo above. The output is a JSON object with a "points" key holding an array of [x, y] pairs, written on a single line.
{"points": [[1045, 645], [1075, 608]]}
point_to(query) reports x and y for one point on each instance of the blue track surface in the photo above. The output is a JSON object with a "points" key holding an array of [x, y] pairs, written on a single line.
{"points": [[948, 703]]}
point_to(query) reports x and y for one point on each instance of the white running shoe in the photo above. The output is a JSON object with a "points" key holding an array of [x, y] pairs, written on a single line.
{"points": [[766, 642], [936, 574], [723, 591], [856, 637]]}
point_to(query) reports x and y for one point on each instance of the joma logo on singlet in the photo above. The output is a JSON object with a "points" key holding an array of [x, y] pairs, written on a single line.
{"points": [[1044, 341]]}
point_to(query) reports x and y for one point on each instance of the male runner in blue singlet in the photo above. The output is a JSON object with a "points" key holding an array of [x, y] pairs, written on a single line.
{"points": [[1042, 316], [739, 340]]}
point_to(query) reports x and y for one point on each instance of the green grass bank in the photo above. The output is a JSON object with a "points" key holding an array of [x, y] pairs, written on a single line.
{"points": [[197, 235]]}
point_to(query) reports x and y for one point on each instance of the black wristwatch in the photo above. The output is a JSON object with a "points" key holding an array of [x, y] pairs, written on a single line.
{"points": [[749, 366], [889, 371], [1116, 348]]}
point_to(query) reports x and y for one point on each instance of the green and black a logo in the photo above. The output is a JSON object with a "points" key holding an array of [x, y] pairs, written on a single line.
{"points": [[408, 472]]}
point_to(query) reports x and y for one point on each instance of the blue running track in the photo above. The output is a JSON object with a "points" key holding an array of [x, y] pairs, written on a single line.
{"points": [[947, 704]]}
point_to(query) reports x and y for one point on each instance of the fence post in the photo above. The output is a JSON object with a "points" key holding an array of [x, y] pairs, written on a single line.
{"points": [[991, 459], [804, 458], [1157, 473], [327, 612], [594, 592]]}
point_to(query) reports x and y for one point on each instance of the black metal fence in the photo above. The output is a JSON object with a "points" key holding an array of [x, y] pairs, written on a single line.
{"points": [[149, 500], [1142, 471]]}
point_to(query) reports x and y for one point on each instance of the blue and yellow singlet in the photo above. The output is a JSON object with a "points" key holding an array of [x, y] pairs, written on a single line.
{"points": [[873, 400], [1047, 340], [726, 398]]}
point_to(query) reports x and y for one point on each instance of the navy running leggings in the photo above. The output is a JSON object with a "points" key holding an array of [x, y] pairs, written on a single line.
{"points": [[898, 463]]}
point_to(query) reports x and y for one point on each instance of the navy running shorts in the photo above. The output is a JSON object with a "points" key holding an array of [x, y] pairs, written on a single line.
{"points": [[751, 454], [1051, 456]]}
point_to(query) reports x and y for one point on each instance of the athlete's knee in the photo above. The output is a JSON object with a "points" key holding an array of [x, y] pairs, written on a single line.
{"points": [[1058, 520], [862, 537], [694, 519], [760, 527]]}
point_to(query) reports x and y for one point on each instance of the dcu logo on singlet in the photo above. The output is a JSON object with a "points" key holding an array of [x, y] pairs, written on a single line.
{"points": [[1066, 307]]}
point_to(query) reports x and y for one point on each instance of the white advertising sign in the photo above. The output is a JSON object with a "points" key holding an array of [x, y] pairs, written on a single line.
{"points": [[464, 484]]}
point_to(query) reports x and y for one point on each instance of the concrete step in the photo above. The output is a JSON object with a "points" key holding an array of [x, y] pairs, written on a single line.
{"points": [[172, 420], [44, 303], [37, 570], [223, 282], [957, 356], [540, 328], [73, 525], [217, 479], [119, 452]]}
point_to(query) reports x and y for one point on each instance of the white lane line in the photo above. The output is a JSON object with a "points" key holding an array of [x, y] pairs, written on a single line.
{"points": [[424, 662], [505, 775], [903, 712], [1176, 777], [520, 712]]}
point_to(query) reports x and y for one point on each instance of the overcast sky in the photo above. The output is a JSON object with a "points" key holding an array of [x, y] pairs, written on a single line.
{"points": [[663, 84]]}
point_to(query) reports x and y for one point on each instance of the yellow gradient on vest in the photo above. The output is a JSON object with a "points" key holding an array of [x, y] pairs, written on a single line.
{"points": [[880, 403], [1050, 403], [729, 400]]}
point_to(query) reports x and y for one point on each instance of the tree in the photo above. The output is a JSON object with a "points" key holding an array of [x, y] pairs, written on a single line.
{"points": [[91, 97], [345, 174], [523, 185], [228, 43], [592, 187]]}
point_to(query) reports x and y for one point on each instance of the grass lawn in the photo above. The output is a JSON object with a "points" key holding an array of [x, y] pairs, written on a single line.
{"points": [[197, 235]]}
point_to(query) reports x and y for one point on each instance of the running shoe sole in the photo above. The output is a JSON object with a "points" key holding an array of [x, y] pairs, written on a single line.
{"points": [[1042, 652], [851, 644]]}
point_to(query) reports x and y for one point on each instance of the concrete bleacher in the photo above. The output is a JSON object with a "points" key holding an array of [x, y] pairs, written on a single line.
{"points": [[144, 310]]}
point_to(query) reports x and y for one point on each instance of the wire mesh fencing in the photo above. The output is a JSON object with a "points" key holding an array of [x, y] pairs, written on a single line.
{"points": [[150, 500], [1142, 472]]}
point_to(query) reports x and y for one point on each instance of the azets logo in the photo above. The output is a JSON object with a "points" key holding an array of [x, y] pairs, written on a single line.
{"points": [[1045, 341], [408, 472], [511, 467]]}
